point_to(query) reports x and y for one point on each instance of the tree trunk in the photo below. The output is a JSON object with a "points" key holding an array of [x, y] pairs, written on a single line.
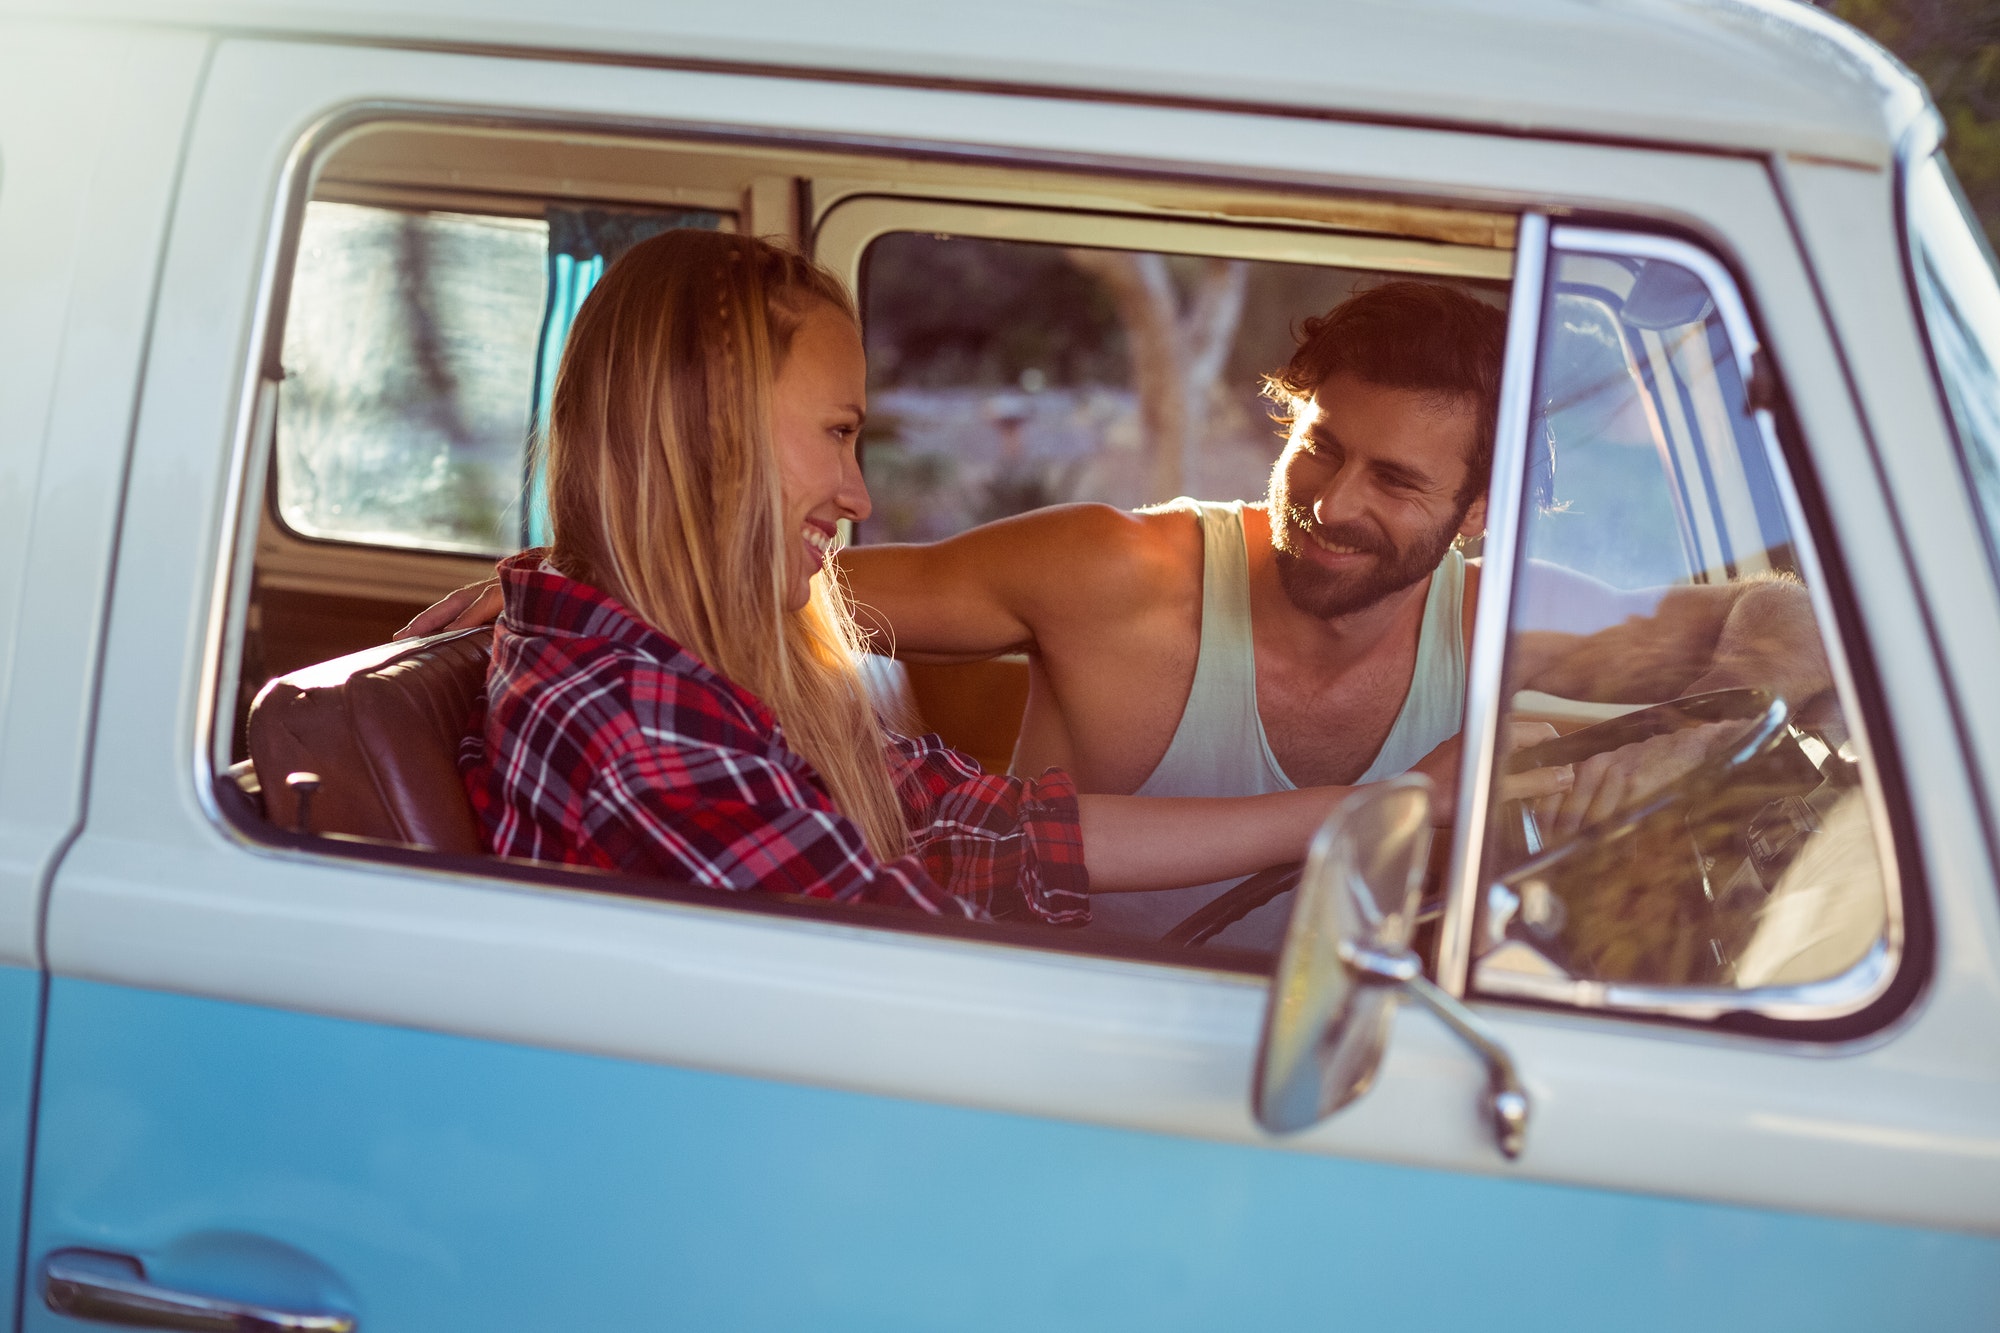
{"points": [[1177, 353]]}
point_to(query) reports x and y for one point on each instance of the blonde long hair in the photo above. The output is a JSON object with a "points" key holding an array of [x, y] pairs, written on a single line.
{"points": [[664, 490]]}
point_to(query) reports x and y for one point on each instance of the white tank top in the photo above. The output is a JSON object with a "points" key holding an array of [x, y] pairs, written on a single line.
{"points": [[1220, 749]]}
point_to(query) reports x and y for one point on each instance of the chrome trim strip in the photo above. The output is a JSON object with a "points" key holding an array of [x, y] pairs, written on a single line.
{"points": [[1834, 997], [1864, 983], [1483, 695]]}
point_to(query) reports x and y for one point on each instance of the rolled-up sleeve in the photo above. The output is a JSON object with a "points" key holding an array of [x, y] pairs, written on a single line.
{"points": [[1013, 845], [727, 817]]}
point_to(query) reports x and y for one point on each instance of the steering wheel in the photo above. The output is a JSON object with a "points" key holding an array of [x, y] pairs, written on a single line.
{"points": [[1642, 724], [1232, 905], [1766, 715]]}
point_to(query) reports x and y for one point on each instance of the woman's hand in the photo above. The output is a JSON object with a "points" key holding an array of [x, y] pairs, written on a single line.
{"points": [[473, 605], [1442, 764]]}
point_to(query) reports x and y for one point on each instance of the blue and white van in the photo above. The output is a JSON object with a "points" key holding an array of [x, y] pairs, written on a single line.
{"points": [[278, 284]]}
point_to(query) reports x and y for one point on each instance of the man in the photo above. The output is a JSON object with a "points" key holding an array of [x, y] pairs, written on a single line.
{"points": [[1321, 637]]}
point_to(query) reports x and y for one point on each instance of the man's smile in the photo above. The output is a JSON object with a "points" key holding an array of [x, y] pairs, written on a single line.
{"points": [[1334, 548], [1343, 542]]}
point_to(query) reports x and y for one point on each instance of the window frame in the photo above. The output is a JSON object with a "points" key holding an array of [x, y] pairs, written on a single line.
{"points": [[840, 236], [847, 229], [1871, 991]]}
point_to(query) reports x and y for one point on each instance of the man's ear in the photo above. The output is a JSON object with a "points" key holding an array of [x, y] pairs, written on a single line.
{"points": [[1474, 522]]}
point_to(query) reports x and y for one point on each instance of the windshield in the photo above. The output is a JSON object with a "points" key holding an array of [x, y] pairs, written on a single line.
{"points": [[1961, 308]]}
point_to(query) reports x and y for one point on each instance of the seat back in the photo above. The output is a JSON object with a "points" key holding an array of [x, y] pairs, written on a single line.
{"points": [[381, 730]]}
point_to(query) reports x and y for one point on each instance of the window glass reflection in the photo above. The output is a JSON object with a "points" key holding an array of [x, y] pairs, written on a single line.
{"points": [[1665, 648], [409, 375]]}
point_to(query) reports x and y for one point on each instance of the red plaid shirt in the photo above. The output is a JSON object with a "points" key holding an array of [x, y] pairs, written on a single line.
{"points": [[607, 744]]}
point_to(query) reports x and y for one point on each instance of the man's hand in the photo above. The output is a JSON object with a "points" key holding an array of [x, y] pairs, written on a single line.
{"points": [[474, 604], [1442, 764], [1620, 779]]}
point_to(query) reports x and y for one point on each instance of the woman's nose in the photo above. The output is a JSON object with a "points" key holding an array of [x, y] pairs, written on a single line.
{"points": [[853, 495]]}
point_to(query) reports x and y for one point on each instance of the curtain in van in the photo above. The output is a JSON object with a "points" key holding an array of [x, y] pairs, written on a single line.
{"points": [[582, 242]]}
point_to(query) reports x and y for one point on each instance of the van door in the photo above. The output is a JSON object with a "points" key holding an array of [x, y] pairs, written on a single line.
{"points": [[91, 124], [333, 1085]]}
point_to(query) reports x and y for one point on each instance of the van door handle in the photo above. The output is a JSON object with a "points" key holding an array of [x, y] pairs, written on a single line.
{"points": [[112, 1288]]}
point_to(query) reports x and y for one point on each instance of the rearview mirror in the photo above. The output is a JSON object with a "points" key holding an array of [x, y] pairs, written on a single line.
{"points": [[1347, 960]]}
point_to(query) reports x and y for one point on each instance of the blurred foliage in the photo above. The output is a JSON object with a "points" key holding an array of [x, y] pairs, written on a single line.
{"points": [[947, 313], [1954, 46], [1027, 484]]}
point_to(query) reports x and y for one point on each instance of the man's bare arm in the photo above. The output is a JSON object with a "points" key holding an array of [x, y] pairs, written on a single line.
{"points": [[1163, 842], [977, 595], [994, 589]]}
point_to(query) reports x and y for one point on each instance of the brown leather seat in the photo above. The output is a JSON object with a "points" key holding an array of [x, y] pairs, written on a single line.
{"points": [[381, 729]]}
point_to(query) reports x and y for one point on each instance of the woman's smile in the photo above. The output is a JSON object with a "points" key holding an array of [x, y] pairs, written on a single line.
{"points": [[819, 400]]}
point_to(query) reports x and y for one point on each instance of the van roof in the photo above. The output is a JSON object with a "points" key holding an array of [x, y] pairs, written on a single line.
{"points": [[1759, 76]]}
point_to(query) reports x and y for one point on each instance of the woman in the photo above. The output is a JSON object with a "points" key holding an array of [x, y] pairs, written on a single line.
{"points": [[675, 689]]}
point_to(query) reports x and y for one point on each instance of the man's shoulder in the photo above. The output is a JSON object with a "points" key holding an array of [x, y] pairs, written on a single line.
{"points": [[1108, 542]]}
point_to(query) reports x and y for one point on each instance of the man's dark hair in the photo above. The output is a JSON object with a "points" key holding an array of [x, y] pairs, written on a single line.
{"points": [[1424, 336]]}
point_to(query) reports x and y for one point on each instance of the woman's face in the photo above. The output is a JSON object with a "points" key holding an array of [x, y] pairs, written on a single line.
{"points": [[819, 401]]}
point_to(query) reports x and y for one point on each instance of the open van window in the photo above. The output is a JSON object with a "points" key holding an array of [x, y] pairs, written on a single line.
{"points": [[1022, 354], [436, 273]]}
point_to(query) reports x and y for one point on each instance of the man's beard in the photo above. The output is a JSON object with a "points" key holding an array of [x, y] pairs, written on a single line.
{"points": [[1324, 593]]}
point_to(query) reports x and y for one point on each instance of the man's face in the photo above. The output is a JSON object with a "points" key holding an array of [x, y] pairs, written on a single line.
{"points": [[1368, 494]]}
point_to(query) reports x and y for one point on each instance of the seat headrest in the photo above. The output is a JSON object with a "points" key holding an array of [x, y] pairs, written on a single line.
{"points": [[381, 729]]}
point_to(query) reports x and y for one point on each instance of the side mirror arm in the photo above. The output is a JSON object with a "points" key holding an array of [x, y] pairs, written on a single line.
{"points": [[1506, 1099]]}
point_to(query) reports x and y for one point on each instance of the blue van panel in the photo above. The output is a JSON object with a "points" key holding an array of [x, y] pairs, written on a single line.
{"points": [[20, 1024], [447, 1183]]}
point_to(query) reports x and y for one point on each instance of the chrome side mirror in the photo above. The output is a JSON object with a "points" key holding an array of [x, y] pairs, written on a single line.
{"points": [[1347, 960]]}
